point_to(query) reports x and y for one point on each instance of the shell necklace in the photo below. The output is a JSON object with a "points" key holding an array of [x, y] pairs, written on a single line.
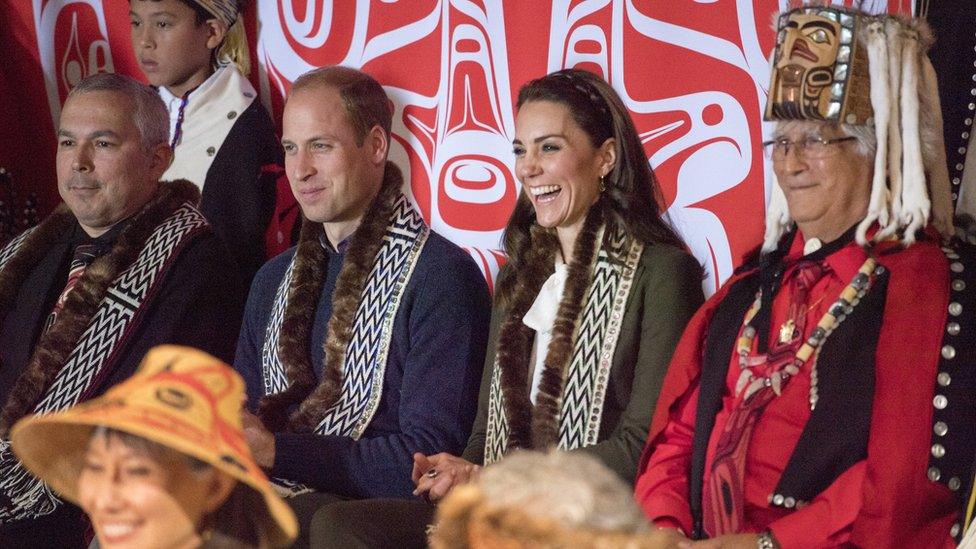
{"points": [[749, 382]]}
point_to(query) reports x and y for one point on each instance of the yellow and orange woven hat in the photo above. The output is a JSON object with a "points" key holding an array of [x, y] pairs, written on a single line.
{"points": [[181, 398]]}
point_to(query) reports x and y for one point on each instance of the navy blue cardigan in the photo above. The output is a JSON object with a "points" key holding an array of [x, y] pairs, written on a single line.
{"points": [[430, 390]]}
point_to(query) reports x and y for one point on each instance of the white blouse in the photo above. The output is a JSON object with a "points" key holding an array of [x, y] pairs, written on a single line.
{"points": [[541, 317]]}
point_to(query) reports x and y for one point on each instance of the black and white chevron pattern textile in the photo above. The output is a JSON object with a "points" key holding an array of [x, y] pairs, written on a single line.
{"points": [[589, 369], [596, 339], [496, 433], [274, 371], [365, 360], [11, 248], [23, 496]]}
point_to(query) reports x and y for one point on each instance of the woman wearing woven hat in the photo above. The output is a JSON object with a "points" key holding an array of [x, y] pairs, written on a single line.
{"points": [[160, 460], [195, 53], [587, 311]]}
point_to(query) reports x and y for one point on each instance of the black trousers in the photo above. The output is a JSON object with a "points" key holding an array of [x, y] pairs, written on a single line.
{"points": [[329, 521]]}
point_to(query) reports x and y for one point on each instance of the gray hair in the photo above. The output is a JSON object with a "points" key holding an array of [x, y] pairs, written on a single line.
{"points": [[867, 142], [151, 116], [569, 488]]}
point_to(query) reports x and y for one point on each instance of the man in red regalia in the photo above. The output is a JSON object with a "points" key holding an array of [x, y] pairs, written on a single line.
{"points": [[822, 397]]}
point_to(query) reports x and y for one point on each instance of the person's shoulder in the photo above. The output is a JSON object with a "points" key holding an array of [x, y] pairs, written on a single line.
{"points": [[274, 269], [201, 245], [441, 251], [955, 246], [444, 262], [255, 116], [253, 128], [663, 260], [266, 281], [926, 254]]}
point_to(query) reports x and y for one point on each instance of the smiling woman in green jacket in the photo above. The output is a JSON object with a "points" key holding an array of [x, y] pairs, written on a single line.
{"points": [[587, 312]]}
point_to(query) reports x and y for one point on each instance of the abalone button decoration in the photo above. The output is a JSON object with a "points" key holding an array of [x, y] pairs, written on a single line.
{"points": [[948, 352]]}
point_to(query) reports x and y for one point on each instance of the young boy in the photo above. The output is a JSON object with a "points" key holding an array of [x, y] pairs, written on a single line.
{"points": [[195, 53]]}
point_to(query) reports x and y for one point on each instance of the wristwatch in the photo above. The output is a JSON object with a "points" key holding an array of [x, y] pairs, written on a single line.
{"points": [[766, 541]]}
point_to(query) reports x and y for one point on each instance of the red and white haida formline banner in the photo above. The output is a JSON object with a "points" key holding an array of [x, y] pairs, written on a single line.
{"points": [[693, 73]]}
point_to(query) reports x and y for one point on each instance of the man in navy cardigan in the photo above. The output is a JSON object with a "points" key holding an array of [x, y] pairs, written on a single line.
{"points": [[365, 343]]}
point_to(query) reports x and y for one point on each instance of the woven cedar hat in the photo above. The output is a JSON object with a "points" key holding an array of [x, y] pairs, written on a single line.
{"points": [[836, 65], [181, 398]]}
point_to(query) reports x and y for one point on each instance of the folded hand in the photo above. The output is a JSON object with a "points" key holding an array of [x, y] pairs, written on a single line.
{"points": [[436, 475]]}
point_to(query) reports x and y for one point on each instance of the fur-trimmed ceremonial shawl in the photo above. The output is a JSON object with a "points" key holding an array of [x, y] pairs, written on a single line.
{"points": [[378, 264], [100, 312], [584, 336]]}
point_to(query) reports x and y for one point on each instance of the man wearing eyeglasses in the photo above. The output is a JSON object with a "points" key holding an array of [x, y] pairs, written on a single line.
{"points": [[825, 395]]}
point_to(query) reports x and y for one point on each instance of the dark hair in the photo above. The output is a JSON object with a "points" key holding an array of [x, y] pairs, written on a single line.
{"points": [[364, 98], [632, 199], [231, 518]]}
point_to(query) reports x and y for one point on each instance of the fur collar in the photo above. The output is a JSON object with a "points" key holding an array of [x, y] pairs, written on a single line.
{"points": [[306, 285], [538, 426], [55, 346]]}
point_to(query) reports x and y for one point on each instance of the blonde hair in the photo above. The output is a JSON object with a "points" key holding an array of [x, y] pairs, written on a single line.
{"points": [[530, 499]]}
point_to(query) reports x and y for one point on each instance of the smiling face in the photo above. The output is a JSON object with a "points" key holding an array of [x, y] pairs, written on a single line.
{"points": [[826, 196], [135, 499], [558, 166], [334, 177], [105, 173], [172, 49]]}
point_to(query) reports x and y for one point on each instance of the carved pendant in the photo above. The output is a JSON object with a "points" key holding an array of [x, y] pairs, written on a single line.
{"points": [[786, 331]]}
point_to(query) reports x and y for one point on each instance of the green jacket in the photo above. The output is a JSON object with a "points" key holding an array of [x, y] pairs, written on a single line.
{"points": [[665, 294]]}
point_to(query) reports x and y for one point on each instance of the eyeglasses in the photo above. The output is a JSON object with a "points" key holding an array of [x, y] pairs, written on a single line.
{"points": [[808, 148]]}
